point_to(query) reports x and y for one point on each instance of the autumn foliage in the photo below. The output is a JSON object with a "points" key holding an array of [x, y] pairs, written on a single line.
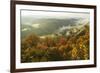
{"points": [[59, 48]]}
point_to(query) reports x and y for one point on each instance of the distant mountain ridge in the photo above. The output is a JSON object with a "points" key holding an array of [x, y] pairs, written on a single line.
{"points": [[51, 26]]}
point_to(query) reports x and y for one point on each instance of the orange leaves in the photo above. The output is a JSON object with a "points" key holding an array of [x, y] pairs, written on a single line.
{"points": [[62, 41], [41, 46], [32, 40], [75, 47]]}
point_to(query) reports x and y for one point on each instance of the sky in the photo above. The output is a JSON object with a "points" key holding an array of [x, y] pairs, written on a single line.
{"points": [[52, 14], [33, 17]]}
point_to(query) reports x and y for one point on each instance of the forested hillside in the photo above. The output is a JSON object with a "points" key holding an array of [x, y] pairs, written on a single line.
{"points": [[63, 44]]}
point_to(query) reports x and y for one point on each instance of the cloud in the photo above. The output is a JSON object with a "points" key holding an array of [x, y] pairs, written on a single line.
{"points": [[25, 29], [35, 25]]}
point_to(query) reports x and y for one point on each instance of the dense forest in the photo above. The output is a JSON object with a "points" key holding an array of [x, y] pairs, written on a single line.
{"points": [[56, 47]]}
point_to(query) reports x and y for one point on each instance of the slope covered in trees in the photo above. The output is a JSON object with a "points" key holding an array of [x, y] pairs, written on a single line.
{"points": [[59, 47]]}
